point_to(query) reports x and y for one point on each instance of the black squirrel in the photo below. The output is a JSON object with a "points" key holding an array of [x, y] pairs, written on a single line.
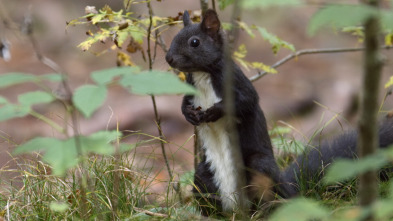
{"points": [[198, 49]]}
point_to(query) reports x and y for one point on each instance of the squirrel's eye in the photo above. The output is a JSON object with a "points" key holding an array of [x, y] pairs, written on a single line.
{"points": [[194, 43]]}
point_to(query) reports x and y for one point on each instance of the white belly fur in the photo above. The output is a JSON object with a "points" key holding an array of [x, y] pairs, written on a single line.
{"points": [[214, 138]]}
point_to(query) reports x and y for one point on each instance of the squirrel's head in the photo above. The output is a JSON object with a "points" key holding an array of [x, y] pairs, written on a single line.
{"points": [[197, 46]]}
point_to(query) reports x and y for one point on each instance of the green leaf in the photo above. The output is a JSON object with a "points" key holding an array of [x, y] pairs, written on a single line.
{"points": [[15, 78], [61, 155], [226, 26], [275, 41], [338, 16], [35, 97], [252, 4], [126, 147], [99, 142], [10, 111], [37, 144], [345, 169], [382, 209], [155, 83], [121, 37], [51, 77], [310, 210], [137, 33], [352, 213], [59, 206], [390, 189], [387, 20], [222, 4], [88, 98], [105, 76], [3, 100]]}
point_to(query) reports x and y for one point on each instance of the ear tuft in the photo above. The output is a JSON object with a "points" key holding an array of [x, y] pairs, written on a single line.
{"points": [[186, 19], [210, 23]]}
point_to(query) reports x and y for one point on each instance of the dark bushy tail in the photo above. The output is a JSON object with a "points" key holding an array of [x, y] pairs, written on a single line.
{"points": [[310, 166]]}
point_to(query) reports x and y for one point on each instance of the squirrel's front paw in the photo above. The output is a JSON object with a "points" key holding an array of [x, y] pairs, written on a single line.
{"points": [[192, 115], [213, 114]]}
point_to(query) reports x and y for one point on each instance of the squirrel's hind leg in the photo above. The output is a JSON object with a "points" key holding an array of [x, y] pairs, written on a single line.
{"points": [[205, 191], [266, 180]]}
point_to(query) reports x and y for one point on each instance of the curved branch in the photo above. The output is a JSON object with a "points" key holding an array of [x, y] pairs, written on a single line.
{"points": [[261, 74]]}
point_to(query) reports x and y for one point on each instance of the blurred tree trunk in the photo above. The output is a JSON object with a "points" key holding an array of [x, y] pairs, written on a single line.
{"points": [[367, 125]]}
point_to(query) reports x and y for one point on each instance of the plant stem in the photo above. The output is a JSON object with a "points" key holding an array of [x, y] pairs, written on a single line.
{"points": [[299, 53], [229, 106], [157, 119], [367, 125], [116, 178], [48, 121], [204, 5], [70, 109]]}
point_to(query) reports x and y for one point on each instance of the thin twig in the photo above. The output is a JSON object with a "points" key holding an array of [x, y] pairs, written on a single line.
{"points": [[162, 44], [72, 111], [150, 213], [156, 33], [157, 118], [299, 53], [116, 176]]}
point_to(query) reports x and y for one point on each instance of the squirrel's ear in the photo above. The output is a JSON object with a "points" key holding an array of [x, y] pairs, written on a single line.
{"points": [[211, 24], [186, 19]]}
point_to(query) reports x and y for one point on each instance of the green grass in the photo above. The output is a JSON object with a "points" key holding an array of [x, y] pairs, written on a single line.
{"points": [[117, 189]]}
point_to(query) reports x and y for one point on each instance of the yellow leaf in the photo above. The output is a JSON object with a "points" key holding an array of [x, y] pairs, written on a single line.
{"points": [[245, 27], [121, 37], [107, 9], [156, 19], [124, 59], [389, 39], [74, 22], [87, 44], [241, 51], [243, 63], [389, 83], [263, 67], [182, 76], [97, 18]]}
